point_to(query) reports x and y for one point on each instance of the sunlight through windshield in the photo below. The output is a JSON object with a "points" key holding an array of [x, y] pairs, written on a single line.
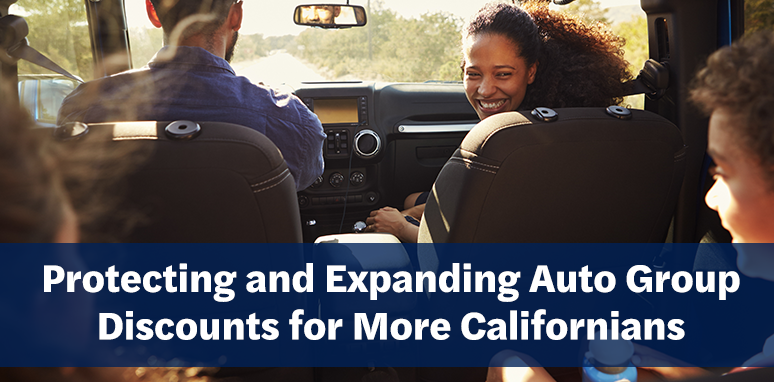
{"points": [[404, 41]]}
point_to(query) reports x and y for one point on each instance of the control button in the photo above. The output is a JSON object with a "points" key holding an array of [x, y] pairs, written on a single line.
{"points": [[318, 182], [619, 112], [545, 114], [303, 201], [371, 197], [357, 178], [359, 227], [318, 201], [331, 199], [311, 222], [179, 130], [336, 179], [338, 199], [367, 143]]}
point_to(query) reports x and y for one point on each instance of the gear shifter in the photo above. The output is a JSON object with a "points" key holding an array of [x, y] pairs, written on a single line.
{"points": [[359, 227]]}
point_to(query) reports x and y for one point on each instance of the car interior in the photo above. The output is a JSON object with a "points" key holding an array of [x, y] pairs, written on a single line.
{"points": [[572, 175]]}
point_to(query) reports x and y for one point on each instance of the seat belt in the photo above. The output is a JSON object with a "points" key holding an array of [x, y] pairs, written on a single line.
{"points": [[652, 81], [13, 32]]}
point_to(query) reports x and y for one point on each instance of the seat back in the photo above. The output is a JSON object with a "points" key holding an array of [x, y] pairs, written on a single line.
{"points": [[586, 176], [224, 183]]}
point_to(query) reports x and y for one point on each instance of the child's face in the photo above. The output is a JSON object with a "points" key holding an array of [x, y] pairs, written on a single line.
{"points": [[740, 195]]}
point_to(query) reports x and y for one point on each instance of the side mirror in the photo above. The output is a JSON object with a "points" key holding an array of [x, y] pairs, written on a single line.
{"points": [[42, 95], [330, 15]]}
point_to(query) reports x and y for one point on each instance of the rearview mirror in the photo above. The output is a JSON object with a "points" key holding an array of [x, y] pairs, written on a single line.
{"points": [[330, 15]]}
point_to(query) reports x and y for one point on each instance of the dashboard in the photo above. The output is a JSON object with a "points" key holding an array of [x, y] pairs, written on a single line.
{"points": [[384, 142]]}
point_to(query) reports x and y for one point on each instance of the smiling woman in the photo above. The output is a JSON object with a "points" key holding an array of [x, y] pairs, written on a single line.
{"points": [[525, 58], [520, 58]]}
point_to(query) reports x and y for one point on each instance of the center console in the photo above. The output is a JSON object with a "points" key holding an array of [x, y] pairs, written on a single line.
{"points": [[348, 189]]}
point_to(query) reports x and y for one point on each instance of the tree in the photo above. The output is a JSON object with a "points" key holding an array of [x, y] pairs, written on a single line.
{"points": [[758, 15], [403, 50], [589, 10], [58, 30], [635, 31]]}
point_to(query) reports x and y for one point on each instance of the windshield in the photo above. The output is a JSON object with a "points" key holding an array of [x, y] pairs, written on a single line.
{"points": [[404, 40]]}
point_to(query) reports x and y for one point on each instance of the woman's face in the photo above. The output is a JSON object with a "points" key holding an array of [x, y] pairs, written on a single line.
{"points": [[495, 75], [741, 196]]}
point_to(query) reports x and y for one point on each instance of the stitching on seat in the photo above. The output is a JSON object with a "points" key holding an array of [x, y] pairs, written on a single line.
{"points": [[273, 185], [269, 180], [474, 162], [471, 166], [486, 140]]}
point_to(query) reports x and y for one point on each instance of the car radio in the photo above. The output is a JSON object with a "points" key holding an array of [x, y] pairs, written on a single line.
{"points": [[352, 111], [339, 116]]}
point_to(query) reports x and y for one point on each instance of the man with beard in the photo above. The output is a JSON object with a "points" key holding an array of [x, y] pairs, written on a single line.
{"points": [[190, 79]]}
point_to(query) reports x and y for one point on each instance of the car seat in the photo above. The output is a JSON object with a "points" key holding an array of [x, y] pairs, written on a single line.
{"points": [[204, 182], [577, 175], [574, 175]]}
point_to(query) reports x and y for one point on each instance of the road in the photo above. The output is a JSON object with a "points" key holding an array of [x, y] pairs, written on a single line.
{"points": [[277, 69]]}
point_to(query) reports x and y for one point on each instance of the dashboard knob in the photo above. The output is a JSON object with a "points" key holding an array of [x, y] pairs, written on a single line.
{"points": [[336, 179], [371, 197], [367, 143], [357, 178], [318, 182]]}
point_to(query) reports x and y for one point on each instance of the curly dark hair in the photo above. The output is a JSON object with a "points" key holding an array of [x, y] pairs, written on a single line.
{"points": [[509, 21], [579, 65], [738, 80], [32, 194]]}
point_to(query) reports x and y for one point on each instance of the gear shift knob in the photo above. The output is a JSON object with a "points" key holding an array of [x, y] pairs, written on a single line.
{"points": [[359, 227]]}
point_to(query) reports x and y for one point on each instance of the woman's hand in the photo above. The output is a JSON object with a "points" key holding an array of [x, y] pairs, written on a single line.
{"points": [[390, 220]]}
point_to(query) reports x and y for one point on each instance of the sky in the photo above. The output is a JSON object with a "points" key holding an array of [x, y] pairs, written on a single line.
{"points": [[275, 17]]}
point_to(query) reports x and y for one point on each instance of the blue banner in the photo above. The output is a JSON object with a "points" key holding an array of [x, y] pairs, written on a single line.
{"points": [[340, 305]]}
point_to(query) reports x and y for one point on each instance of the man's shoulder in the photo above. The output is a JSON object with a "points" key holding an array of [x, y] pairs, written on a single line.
{"points": [[102, 99], [275, 103], [101, 86]]}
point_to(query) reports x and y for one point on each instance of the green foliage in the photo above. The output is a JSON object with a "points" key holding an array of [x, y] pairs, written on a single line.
{"points": [[589, 10], [398, 49], [58, 30], [251, 47], [635, 31], [758, 15]]}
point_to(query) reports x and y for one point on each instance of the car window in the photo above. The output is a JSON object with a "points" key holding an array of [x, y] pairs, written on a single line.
{"points": [[758, 15], [58, 29]]}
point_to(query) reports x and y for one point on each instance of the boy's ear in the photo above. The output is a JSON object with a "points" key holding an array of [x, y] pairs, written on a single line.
{"points": [[152, 16]]}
